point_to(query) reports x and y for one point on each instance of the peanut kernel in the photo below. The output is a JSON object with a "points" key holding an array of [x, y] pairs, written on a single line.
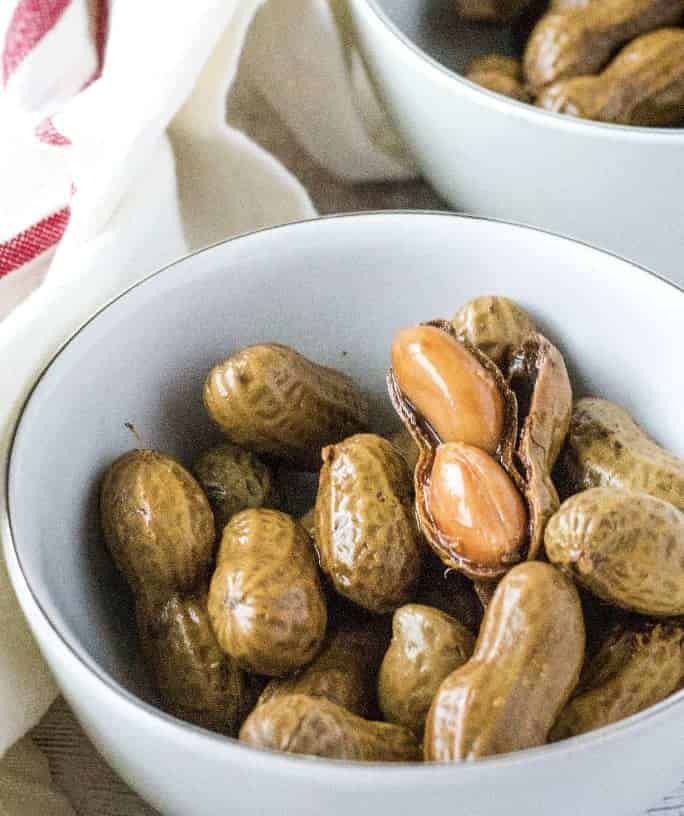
{"points": [[475, 504], [448, 386]]}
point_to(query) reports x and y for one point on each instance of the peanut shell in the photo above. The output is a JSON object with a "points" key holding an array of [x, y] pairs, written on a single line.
{"points": [[526, 664], [636, 668], [606, 448], [365, 532], [426, 647], [272, 400], [624, 546], [157, 524], [266, 603], [299, 724]]}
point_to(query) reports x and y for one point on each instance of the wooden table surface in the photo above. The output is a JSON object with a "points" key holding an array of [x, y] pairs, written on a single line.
{"points": [[93, 789]]}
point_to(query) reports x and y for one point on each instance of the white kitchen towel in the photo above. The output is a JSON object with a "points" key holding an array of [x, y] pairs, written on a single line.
{"points": [[116, 158]]}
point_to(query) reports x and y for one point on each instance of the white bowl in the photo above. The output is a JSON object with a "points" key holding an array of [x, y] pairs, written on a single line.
{"points": [[337, 289], [617, 187]]}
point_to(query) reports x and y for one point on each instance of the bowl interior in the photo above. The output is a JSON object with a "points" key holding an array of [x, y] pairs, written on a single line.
{"points": [[337, 290], [434, 26]]}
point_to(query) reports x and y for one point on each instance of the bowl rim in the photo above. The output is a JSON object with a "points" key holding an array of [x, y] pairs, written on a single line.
{"points": [[510, 106], [389, 771]]}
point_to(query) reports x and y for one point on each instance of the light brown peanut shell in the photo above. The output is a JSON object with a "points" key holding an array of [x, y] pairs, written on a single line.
{"points": [[157, 523], [344, 671], [501, 84], [495, 325], [539, 378], [624, 546], [581, 41], [197, 682], [636, 668], [605, 447], [643, 85], [234, 479], [426, 647], [503, 75], [366, 536], [266, 603], [299, 724], [526, 663], [273, 401]]}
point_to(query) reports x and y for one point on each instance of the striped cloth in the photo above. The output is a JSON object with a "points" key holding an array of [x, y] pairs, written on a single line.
{"points": [[53, 116], [37, 81], [117, 159]]}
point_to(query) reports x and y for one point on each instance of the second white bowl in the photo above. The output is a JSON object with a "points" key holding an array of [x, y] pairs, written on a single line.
{"points": [[614, 186]]}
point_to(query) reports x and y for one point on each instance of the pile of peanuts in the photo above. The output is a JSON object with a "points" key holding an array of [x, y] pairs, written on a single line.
{"points": [[439, 601], [619, 61]]}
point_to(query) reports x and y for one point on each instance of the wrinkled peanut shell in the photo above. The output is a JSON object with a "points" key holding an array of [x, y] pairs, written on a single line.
{"points": [[266, 603], [526, 663], [197, 682], [581, 41], [273, 401], [624, 546], [298, 724], [157, 523], [495, 325], [605, 447], [234, 479], [426, 647], [365, 532], [636, 668]]}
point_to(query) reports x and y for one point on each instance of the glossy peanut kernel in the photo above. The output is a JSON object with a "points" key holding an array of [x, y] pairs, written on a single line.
{"points": [[448, 386], [475, 505]]}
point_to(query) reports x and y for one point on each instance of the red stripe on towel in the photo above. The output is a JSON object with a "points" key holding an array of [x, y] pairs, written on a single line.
{"points": [[32, 242], [30, 22]]}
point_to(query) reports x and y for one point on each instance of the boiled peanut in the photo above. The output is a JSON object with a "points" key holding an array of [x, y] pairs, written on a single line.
{"points": [[448, 386], [312, 725], [266, 603], [403, 442], [624, 546], [196, 681], [365, 531], [344, 671], [495, 325], [526, 664], [605, 447], [493, 11], [157, 524], [635, 669], [234, 480], [272, 400], [498, 73], [475, 506], [581, 41], [643, 85], [509, 66], [426, 647]]}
